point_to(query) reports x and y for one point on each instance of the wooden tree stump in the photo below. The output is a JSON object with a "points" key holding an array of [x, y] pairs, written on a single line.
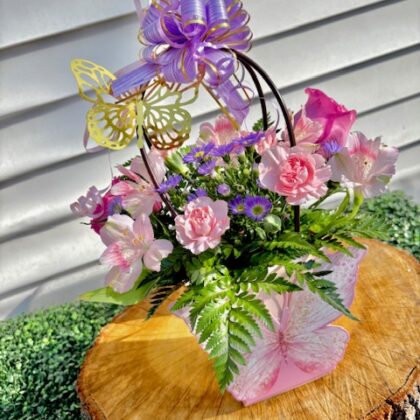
{"points": [[156, 370]]}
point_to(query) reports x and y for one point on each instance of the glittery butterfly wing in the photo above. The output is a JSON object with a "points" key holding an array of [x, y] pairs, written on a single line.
{"points": [[111, 125], [313, 344], [164, 118]]}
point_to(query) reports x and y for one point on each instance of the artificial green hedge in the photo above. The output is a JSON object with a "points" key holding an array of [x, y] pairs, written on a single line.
{"points": [[40, 354], [402, 216]]}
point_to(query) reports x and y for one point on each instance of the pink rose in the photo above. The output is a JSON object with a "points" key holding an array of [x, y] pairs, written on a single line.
{"points": [[202, 225], [334, 119], [294, 173], [364, 165]]}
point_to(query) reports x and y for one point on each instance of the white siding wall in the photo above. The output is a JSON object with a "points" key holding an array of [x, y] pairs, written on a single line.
{"points": [[365, 53]]}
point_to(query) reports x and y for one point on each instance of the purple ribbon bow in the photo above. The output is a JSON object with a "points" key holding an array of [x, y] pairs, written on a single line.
{"points": [[186, 40]]}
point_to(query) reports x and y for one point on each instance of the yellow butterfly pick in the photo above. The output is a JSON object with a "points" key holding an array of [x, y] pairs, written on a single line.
{"points": [[113, 125], [167, 123]]}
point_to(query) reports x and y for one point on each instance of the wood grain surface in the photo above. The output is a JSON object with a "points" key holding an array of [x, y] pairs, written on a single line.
{"points": [[155, 369]]}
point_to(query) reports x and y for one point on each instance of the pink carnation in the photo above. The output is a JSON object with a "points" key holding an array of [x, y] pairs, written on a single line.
{"points": [[364, 164], [202, 225], [109, 206], [324, 122], [267, 142], [294, 173], [97, 207], [306, 130]]}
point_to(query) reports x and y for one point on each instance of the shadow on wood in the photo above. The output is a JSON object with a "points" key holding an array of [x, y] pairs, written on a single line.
{"points": [[156, 370]]}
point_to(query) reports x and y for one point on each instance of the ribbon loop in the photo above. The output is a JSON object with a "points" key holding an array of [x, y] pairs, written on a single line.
{"points": [[217, 16], [194, 17]]}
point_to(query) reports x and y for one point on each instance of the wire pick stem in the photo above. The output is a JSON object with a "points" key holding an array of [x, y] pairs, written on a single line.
{"points": [[149, 170]]}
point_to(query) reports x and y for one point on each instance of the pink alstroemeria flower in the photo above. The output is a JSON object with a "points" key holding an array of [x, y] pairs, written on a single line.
{"points": [[130, 244], [294, 173], [223, 132], [324, 122], [365, 165], [138, 194], [202, 225]]}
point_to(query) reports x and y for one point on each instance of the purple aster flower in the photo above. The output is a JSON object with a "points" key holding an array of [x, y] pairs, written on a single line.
{"points": [[250, 139], [115, 206], [169, 184], [199, 193], [223, 150], [207, 167], [223, 189], [257, 208], [197, 154], [331, 147], [237, 205]]}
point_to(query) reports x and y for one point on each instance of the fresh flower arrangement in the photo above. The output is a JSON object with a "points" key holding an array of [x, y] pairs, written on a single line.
{"points": [[260, 277]]}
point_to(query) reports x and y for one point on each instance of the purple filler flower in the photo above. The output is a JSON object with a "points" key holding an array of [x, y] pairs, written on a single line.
{"points": [[257, 208], [223, 150], [115, 205], [207, 167], [331, 147], [223, 189], [169, 184], [250, 139], [199, 193], [197, 154], [237, 205]]}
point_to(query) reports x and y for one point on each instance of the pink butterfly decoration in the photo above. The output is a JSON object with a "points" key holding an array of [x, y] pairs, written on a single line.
{"points": [[304, 346]]}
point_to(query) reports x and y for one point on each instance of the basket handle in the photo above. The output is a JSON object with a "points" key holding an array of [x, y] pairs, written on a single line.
{"points": [[251, 66]]}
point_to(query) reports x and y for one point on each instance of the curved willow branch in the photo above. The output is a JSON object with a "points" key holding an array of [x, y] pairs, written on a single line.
{"points": [[249, 63], [260, 92], [149, 170]]}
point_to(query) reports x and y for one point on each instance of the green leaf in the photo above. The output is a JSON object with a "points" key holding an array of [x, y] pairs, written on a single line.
{"points": [[261, 233], [257, 308], [296, 241], [327, 291], [259, 125], [107, 295], [350, 241], [244, 318], [336, 246], [272, 223], [343, 206]]}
